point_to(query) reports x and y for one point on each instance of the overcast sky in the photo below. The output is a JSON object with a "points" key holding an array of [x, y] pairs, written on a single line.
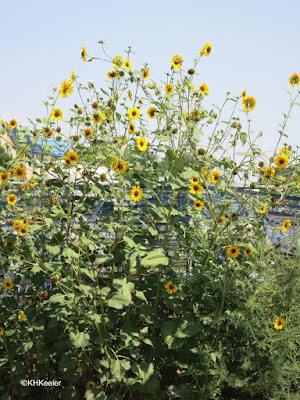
{"points": [[255, 48]]}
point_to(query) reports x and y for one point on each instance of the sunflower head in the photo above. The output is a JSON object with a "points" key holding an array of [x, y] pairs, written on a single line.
{"points": [[12, 123], [204, 89], [198, 205], [286, 225], [142, 144], [282, 160], [169, 89], [233, 251], [206, 50], [145, 74], [57, 114], [215, 176], [4, 176], [170, 287], [294, 79], [263, 208], [249, 103], [196, 188], [151, 112], [21, 316], [248, 251], [90, 384], [118, 62], [11, 199], [177, 61], [19, 171], [113, 74], [88, 133], [131, 128], [134, 113], [66, 88], [127, 65], [278, 324], [8, 284], [83, 53], [121, 167], [136, 193]]}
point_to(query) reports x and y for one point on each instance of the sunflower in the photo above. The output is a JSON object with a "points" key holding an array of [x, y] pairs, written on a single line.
{"points": [[24, 228], [74, 157], [117, 97], [17, 225], [12, 123], [142, 144], [233, 251], [151, 112], [198, 205], [57, 114], [127, 65], [112, 74], [196, 188], [90, 384], [118, 62], [1, 331], [68, 162], [248, 251], [83, 53], [263, 208], [73, 76], [98, 117], [19, 171], [113, 162], [270, 171], [66, 88], [3, 126], [4, 176], [32, 182], [177, 61], [204, 89], [244, 94], [145, 74], [134, 113], [131, 128], [88, 133], [249, 103], [194, 179], [8, 284], [169, 89], [21, 316], [136, 193], [206, 50], [153, 86], [286, 225], [282, 160], [279, 323], [130, 95], [221, 219], [215, 176], [285, 150], [22, 257], [294, 79], [11, 199], [170, 287], [121, 167], [190, 86]]}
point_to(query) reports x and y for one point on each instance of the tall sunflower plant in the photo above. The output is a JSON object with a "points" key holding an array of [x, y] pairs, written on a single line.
{"points": [[148, 259]]}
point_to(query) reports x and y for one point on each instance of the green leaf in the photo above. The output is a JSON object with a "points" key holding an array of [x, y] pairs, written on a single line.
{"points": [[155, 258], [58, 298], [53, 249], [79, 339], [143, 371], [69, 253]]}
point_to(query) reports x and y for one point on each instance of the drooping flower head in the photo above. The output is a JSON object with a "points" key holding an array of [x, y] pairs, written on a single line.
{"points": [[118, 62], [151, 112], [294, 79], [83, 54], [286, 225]]}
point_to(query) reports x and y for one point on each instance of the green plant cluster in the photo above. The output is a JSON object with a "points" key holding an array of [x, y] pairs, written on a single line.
{"points": [[161, 297]]}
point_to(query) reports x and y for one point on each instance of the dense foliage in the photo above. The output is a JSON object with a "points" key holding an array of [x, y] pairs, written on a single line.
{"points": [[149, 274]]}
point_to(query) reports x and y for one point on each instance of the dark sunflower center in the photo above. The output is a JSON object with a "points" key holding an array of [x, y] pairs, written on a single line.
{"points": [[134, 113], [171, 287], [208, 49], [216, 177], [57, 114], [195, 179], [120, 166], [19, 172], [141, 143], [202, 88], [281, 161], [152, 113], [72, 158], [23, 230], [176, 62], [4, 176], [136, 193], [233, 250]]}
